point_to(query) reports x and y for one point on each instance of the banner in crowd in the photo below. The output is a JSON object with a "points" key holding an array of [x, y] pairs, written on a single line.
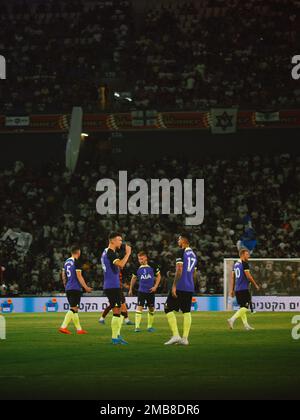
{"points": [[19, 241], [95, 304], [276, 303], [273, 304], [98, 304], [265, 117], [17, 121], [219, 120], [223, 120]]}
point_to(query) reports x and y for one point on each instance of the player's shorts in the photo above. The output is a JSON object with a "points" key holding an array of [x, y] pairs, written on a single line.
{"points": [[183, 302], [74, 298], [114, 297], [146, 299], [243, 298]]}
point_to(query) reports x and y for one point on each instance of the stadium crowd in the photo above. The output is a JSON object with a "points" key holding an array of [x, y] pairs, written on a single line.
{"points": [[183, 55], [58, 209], [57, 52], [202, 54]]}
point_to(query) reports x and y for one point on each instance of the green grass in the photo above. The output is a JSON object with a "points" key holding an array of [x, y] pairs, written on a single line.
{"points": [[38, 362]]}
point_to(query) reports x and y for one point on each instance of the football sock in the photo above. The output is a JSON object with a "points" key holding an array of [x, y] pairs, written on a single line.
{"points": [[115, 326], [138, 319], [68, 319], [244, 318], [173, 324], [76, 321], [150, 319], [241, 313], [187, 322], [121, 319]]}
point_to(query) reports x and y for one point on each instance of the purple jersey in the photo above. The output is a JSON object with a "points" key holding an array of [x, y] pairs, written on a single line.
{"points": [[188, 258], [146, 276], [71, 267], [241, 281], [111, 271]]}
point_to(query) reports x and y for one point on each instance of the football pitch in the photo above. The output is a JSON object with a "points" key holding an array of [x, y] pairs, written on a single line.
{"points": [[39, 363]]}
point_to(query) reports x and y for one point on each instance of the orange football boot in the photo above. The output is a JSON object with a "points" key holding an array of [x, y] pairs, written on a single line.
{"points": [[64, 331], [80, 332]]}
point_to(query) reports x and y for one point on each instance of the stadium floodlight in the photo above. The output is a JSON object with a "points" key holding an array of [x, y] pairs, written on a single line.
{"points": [[122, 96], [276, 278], [74, 139]]}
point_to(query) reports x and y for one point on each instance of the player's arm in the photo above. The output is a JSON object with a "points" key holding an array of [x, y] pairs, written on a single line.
{"points": [[251, 279], [132, 284], [178, 274], [82, 282], [157, 281], [121, 263]]}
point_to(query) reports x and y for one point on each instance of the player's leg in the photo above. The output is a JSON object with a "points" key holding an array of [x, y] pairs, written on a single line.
{"points": [[151, 311], [241, 313], [243, 299], [76, 321], [123, 313], [126, 316], [116, 313], [138, 318], [68, 318], [247, 302], [104, 314], [75, 310], [124, 310], [186, 299], [114, 296], [64, 327], [139, 311], [115, 325], [172, 305], [74, 298], [122, 316]]}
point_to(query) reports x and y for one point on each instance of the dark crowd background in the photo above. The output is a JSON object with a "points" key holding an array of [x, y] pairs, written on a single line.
{"points": [[166, 55]]}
